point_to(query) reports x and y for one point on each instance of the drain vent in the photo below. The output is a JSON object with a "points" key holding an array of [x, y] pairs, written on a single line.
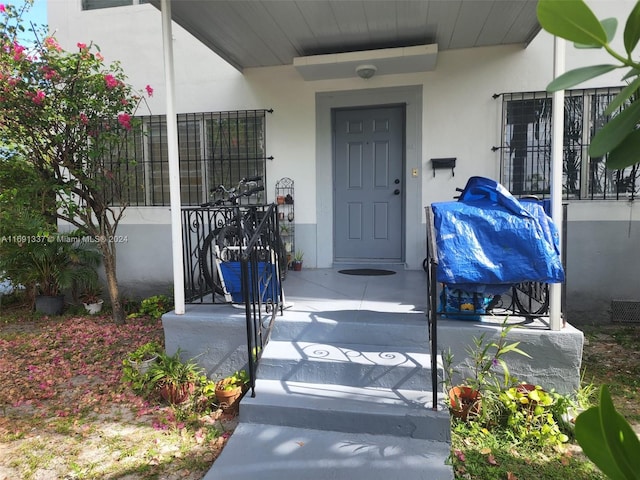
{"points": [[625, 311]]}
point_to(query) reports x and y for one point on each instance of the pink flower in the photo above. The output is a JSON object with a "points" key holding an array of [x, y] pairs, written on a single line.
{"points": [[49, 73], [99, 56], [2, 8], [124, 120], [82, 46], [38, 97], [149, 89], [18, 51], [51, 44], [84, 119], [110, 81]]}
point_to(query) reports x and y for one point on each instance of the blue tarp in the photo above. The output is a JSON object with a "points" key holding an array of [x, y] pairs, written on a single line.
{"points": [[488, 240]]}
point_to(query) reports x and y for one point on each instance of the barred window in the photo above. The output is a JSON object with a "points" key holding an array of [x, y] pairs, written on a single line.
{"points": [[526, 147], [217, 148]]}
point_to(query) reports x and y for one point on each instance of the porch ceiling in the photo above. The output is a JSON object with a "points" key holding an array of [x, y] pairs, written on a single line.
{"points": [[260, 33]]}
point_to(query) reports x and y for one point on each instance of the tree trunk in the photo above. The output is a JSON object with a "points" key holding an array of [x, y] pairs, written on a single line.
{"points": [[109, 259]]}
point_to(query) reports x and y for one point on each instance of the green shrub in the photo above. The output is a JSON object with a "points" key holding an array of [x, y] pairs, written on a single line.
{"points": [[154, 307]]}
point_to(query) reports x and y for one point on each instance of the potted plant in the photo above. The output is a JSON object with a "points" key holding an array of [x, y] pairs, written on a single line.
{"points": [[56, 265], [136, 366], [90, 298], [297, 260], [143, 357], [174, 379], [477, 394], [230, 389]]}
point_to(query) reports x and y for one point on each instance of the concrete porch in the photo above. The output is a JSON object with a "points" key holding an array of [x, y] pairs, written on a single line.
{"points": [[331, 306], [346, 375]]}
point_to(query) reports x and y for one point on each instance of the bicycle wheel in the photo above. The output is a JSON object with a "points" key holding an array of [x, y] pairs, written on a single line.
{"points": [[531, 298], [230, 241], [207, 259]]}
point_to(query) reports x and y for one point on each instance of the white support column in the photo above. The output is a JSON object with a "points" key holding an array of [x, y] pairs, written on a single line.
{"points": [[174, 168], [557, 119]]}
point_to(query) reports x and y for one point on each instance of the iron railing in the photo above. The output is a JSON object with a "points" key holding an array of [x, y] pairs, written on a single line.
{"points": [[197, 224], [253, 276], [261, 280]]}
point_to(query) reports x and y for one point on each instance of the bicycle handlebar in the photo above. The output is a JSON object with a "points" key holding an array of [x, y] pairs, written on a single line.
{"points": [[234, 196], [251, 191], [256, 178]]}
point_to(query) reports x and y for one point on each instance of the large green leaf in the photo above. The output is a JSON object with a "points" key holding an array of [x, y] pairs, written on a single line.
{"points": [[620, 437], [615, 131], [623, 96], [633, 72], [632, 29], [589, 434], [578, 75], [625, 154], [610, 26], [572, 20]]}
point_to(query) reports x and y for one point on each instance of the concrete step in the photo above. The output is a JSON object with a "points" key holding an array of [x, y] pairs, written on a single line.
{"points": [[271, 452], [346, 364], [353, 326], [405, 413]]}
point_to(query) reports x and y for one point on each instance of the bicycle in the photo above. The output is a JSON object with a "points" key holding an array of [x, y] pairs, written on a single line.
{"points": [[225, 243]]}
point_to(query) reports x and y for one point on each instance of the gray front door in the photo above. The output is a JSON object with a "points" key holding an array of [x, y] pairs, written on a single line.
{"points": [[368, 182]]}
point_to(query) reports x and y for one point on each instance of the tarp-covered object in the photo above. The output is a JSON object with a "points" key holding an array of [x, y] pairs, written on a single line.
{"points": [[488, 240]]}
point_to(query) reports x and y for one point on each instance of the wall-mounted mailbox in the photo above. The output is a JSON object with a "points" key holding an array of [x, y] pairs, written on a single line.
{"points": [[439, 163]]}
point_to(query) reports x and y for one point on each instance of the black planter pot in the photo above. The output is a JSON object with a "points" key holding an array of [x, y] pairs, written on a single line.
{"points": [[50, 305]]}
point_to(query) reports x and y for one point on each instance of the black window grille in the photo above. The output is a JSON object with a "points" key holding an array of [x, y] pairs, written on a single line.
{"points": [[526, 147], [217, 148]]}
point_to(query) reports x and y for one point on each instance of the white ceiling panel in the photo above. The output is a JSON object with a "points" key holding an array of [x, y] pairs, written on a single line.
{"points": [[254, 33]]}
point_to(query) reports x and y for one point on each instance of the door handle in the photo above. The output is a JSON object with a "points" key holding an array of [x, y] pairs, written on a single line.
{"points": [[396, 192]]}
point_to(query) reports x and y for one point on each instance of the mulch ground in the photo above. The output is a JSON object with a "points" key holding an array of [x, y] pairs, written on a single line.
{"points": [[65, 412]]}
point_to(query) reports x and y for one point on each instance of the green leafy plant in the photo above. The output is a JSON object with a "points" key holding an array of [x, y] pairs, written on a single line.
{"points": [[486, 362], [132, 371], [530, 416], [144, 352], [175, 380], [608, 439], [50, 263], [154, 306], [91, 294], [573, 20], [237, 379], [298, 256]]}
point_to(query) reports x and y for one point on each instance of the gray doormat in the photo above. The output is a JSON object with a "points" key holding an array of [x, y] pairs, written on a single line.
{"points": [[367, 271]]}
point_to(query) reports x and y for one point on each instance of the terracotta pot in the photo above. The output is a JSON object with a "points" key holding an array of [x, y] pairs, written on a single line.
{"points": [[280, 199], [228, 399], [177, 394], [297, 266], [464, 401]]}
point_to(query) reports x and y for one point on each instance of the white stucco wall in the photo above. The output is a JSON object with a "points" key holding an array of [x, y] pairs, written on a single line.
{"points": [[458, 117]]}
